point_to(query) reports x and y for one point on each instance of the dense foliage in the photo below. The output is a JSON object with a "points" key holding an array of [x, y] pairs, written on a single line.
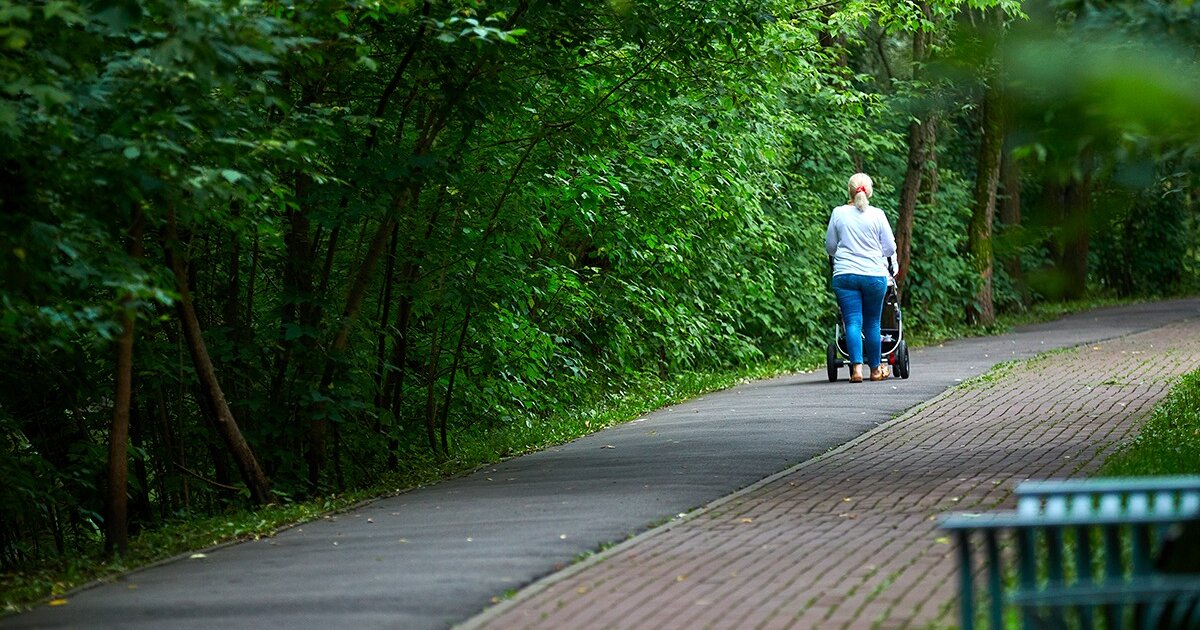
{"points": [[289, 247]]}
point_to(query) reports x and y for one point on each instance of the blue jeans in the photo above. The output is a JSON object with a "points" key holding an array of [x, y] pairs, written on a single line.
{"points": [[861, 300]]}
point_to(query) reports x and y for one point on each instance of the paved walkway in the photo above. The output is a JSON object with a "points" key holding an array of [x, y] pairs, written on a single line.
{"points": [[789, 554], [849, 540]]}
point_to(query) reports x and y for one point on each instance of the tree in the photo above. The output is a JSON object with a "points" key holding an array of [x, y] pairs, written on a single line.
{"points": [[921, 141], [983, 212], [987, 175], [379, 230], [116, 522]]}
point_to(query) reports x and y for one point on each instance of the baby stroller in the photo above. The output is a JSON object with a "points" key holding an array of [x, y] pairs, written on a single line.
{"points": [[893, 349]]}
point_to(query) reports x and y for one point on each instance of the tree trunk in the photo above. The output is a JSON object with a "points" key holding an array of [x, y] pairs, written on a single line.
{"points": [[137, 421], [979, 237], [1077, 229], [165, 502], [385, 305], [830, 43], [931, 166], [341, 341], [458, 353], [298, 289], [252, 474], [116, 526], [249, 317], [431, 379], [220, 463], [1010, 219], [393, 383], [919, 138], [233, 290]]}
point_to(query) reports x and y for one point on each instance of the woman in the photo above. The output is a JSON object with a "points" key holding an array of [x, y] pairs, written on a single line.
{"points": [[859, 239]]}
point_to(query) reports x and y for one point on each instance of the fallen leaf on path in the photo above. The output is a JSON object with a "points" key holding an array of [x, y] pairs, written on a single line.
{"points": [[58, 602], [680, 578], [747, 520], [581, 590], [197, 556], [942, 540]]}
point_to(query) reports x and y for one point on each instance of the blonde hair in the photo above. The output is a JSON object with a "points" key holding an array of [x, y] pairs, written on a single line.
{"points": [[859, 197]]}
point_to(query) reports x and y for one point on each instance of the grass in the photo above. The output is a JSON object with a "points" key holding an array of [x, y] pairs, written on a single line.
{"points": [[1169, 442], [473, 449]]}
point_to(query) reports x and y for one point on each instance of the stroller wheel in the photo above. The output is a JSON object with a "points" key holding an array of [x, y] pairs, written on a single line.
{"points": [[831, 362], [902, 359]]}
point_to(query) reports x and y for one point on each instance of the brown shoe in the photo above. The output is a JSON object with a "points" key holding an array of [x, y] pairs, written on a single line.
{"points": [[855, 372], [880, 373]]}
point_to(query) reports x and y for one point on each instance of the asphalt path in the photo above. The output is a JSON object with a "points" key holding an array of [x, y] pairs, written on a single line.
{"points": [[436, 556]]}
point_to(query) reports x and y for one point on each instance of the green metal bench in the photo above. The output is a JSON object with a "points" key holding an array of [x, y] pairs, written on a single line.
{"points": [[1080, 554]]}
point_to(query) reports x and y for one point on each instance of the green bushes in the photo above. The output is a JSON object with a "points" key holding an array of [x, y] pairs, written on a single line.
{"points": [[406, 227]]}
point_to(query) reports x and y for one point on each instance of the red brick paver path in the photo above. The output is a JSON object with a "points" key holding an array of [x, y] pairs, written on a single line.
{"points": [[849, 540]]}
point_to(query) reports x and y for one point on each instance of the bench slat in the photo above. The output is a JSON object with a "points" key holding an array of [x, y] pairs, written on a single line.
{"points": [[1144, 590], [1013, 520], [1110, 484]]}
